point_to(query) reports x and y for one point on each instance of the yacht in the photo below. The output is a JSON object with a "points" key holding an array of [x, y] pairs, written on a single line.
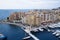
{"points": [[54, 33], [2, 37], [57, 34], [26, 38], [41, 29]]}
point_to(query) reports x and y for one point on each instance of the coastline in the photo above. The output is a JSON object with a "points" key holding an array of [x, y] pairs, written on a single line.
{"points": [[21, 25]]}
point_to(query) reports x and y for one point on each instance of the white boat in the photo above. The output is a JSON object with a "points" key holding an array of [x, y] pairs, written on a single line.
{"points": [[49, 30], [35, 30], [51, 26], [57, 34], [57, 31], [1, 35], [41, 29], [25, 38], [54, 33]]}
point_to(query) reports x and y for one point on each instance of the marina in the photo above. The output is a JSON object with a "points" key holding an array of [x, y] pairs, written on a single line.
{"points": [[41, 37], [33, 35]]}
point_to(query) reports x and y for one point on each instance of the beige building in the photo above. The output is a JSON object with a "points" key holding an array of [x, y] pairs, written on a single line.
{"points": [[16, 16], [47, 17], [32, 18], [58, 14], [36, 17], [12, 17]]}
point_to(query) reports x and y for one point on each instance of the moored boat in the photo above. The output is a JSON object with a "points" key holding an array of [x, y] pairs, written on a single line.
{"points": [[2, 37], [26, 38]]}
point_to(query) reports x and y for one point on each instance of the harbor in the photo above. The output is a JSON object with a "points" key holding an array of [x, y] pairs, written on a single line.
{"points": [[16, 33], [28, 30], [25, 29]]}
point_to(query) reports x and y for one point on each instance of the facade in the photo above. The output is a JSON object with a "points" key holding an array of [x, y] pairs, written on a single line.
{"points": [[16, 16], [58, 14], [32, 19], [12, 17], [35, 17]]}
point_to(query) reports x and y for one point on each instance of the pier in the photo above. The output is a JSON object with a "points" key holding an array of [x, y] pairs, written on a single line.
{"points": [[27, 31]]}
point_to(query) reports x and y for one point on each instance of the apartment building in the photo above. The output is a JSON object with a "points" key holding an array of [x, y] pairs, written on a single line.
{"points": [[58, 14], [36, 17], [32, 18], [16, 16]]}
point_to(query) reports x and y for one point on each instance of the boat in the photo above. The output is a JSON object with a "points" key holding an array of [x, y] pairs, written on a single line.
{"points": [[49, 30], [26, 38], [57, 31], [2, 37], [57, 34], [34, 30], [54, 33], [41, 29]]}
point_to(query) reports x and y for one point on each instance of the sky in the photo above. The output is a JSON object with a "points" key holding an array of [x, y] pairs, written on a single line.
{"points": [[29, 4], [6, 6]]}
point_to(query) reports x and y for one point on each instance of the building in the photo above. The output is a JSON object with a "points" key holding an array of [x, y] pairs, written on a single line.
{"points": [[12, 17], [32, 19], [58, 14], [36, 17], [16, 16]]}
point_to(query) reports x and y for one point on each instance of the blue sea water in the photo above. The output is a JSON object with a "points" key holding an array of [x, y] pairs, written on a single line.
{"points": [[16, 33]]}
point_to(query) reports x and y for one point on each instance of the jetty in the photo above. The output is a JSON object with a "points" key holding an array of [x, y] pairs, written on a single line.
{"points": [[28, 31]]}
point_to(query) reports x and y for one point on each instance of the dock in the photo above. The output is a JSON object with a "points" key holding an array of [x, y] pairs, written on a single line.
{"points": [[27, 31], [34, 37]]}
